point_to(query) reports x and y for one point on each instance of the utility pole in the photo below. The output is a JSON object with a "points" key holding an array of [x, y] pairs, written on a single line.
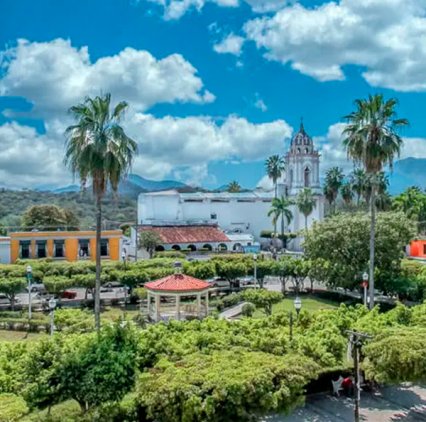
{"points": [[356, 340]]}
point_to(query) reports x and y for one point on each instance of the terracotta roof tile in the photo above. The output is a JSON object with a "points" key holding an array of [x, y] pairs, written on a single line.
{"points": [[188, 234], [178, 283]]}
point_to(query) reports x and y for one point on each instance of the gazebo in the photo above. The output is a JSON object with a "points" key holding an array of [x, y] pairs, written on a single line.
{"points": [[175, 287]]}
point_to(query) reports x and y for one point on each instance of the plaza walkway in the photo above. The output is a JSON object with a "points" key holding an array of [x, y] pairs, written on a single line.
{"points": [[402, 403]]}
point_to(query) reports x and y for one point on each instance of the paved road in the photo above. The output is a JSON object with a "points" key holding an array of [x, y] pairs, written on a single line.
{"points": [[402, 403], [233, 312]]}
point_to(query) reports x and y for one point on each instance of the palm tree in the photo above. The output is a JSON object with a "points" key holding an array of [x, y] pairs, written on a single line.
{"points": [[281, 209], [380, 180], [98, 149], [333, 181], [275, 167], [233, 187], [412, 203], [306, 203], [347, 193], [357, 180], [371, 139]]}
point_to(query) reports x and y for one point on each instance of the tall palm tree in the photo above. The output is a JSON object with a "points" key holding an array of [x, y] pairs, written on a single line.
{"points": [[357, 180], [275, 167], [381, 180], [234, 187], [280, 209], [371, 139], [347, 193], [333, 181], [98, 149], [306, 203]]}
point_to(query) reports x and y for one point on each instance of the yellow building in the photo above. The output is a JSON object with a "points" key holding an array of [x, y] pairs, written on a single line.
{"points": [[65, 245]]}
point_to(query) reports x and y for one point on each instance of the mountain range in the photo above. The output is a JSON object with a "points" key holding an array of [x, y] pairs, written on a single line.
{"points": [[407, 172]]}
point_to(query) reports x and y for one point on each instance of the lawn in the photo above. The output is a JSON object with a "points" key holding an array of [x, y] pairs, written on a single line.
{"points": [[114, 313], [9, 335], [309, 303]]}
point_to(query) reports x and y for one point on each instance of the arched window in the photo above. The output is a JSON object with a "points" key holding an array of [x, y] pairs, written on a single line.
{"points": [[306, 150], [307, 177], [159, 248], [176, 247], [207, 247], [222, 247], [298, 150], [237, 247], [192, 248]]}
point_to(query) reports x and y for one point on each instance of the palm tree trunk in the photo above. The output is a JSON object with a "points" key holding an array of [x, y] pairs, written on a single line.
{"points": [[276, 187], [98, 264], [372, 242], [306, 222], [282, 232]]}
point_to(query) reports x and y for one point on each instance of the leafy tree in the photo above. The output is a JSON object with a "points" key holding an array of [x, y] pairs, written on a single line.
{"points": [[149, 240], [280, 210], [346, 190], [275, 167], [413, 203], [231, 271], [97, 148], [306, 203], [333, 182], [10, 287], [341, 240], [200, 269], [371, 139], [284, 270], [234, 187], [49, 217], [357, 181], [56, 285], [262, 298]]}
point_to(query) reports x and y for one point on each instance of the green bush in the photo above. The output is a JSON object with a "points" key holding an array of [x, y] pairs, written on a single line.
{"points": [[12, 407], [231, 300], [248, 309], [169, 254]]}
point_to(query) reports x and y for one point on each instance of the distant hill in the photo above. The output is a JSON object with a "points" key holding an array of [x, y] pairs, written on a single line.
{"points": [[407, 172]]}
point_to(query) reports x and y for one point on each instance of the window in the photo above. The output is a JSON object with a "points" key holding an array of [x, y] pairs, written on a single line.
{"points": [[213, 216], [83, 248], [104, 247], [24, 246], [307, 177], [41, 249], [59, 251], [424, 249]]}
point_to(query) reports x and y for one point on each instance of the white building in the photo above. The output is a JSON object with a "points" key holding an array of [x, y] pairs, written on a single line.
{"points": [[243, 212]]}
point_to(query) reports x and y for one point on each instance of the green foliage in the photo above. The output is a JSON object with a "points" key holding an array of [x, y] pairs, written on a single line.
{"points": [[306, 203], [233, 187], [248, 309], [57, 284], [10, 287], [262, 298], [73, 320], [12, 408], [223, 386], [169, 254], [343, 241], [49, 217], [231, 300], [412, 202], [230, 269], [200, 269], [149, 240]]}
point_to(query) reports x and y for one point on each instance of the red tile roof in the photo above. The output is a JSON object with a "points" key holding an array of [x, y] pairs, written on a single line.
{"points": [[177, 283], [188, 234]]}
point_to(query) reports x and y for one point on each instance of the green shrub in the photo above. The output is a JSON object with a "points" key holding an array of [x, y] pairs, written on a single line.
{"points": [[248, 309], [231, 300], [12, 407], [169, 254]]}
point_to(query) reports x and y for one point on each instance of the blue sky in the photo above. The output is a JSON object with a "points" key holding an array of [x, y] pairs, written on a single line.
{"points": [[246, 72]]}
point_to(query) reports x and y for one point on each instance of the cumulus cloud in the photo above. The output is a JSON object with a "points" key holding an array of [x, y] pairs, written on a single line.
{"points": [[386, 37], [55, 75], [231, 44]]}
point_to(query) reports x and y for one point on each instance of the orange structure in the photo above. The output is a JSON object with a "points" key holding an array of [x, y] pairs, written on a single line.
{"points": [[65, 245], [418, 248]]}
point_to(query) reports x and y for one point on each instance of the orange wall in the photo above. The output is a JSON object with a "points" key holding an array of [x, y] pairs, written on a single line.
{"points": [[71, 243], [417, 248]]}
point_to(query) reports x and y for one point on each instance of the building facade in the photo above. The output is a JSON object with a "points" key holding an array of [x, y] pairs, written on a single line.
{"points": [[64, 245], [242, 212]]}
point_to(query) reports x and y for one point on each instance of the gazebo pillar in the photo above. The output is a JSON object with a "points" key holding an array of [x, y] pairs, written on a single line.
{"points": [[207, 303], [199, 304], [178, 307], [148, 300], [157, 307]]}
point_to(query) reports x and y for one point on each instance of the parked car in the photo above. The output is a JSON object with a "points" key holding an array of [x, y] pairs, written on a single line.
{"points": [[247, 281], [37, 288], [218, 282], [69, 294]]}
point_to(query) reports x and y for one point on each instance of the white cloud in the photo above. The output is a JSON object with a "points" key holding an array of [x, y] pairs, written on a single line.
{"points": [[262, 6], [386, 37], [29, 159], [260, 104], [231, 44], [55, 75]]}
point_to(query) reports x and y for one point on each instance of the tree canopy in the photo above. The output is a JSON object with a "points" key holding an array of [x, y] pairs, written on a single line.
{"points": [[49, 217]]}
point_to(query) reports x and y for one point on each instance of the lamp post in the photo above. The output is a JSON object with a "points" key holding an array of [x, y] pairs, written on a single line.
{"points": [[255, 269], [29, 278], [365, 285], [123, 257], [52, 306], [297, 306]]}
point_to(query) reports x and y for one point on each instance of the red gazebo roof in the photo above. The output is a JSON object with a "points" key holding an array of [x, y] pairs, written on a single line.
{"points": [[177, 283]]}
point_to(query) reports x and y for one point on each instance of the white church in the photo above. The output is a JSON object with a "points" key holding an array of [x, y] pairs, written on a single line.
{"points": [[232, 221]]}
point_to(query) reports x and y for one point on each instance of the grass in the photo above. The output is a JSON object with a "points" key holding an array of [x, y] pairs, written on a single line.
{"points": [[113, 313], [309, 303], [10, 335]]}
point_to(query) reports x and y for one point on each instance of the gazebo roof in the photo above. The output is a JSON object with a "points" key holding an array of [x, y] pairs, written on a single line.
{"points": [[177, 283]]}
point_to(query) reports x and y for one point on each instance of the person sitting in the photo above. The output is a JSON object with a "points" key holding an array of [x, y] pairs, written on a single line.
{"points": [[348, 385]]}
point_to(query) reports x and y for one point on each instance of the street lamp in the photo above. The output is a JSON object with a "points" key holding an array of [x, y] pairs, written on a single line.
{"points": [[365, 285], [52, 306], [255, 269], [29, 278], [123, 257], [297, 305]]}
